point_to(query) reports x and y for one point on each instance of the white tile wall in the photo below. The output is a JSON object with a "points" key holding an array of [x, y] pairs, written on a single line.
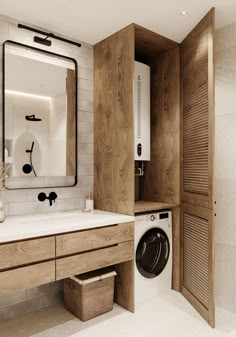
{"points": [[25, 201], [225, 162]]}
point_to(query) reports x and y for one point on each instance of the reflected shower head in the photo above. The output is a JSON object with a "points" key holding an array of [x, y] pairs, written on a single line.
{"points": [[32, 118]]}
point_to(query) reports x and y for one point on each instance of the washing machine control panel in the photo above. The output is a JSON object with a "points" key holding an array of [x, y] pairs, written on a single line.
{"points": [[152, 217], [164, 215]]}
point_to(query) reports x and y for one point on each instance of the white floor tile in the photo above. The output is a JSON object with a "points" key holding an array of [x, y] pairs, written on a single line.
{"points": [[165, 316], [168, 315]]}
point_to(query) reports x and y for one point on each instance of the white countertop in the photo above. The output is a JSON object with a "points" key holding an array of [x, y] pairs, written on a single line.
{"points": [[22, 227]]}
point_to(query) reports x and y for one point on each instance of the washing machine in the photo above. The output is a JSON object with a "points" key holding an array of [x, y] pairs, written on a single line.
{"points": [[153, 252]]}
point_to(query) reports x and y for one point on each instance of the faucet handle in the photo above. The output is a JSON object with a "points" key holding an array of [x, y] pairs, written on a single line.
{"points": [[42, 196], [52, 196]]}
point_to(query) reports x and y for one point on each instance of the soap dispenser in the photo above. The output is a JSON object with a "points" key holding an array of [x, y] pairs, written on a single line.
{"points": [[89, 205]]}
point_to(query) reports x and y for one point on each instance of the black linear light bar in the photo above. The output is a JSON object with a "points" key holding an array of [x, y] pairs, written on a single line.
{"points": [[48, 35]]}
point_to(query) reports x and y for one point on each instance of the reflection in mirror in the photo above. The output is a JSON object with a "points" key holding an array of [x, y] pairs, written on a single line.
{"points": [[40, 117]]}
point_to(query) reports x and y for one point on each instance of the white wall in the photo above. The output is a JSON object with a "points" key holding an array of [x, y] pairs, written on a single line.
{"points": [[225, 160], [25, 201]]}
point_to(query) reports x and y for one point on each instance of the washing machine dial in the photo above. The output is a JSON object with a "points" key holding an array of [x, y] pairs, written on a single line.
{"points": [[152, 217]]}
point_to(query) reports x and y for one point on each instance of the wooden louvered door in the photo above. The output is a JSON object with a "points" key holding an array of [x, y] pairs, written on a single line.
{"points": [[197, 58]]}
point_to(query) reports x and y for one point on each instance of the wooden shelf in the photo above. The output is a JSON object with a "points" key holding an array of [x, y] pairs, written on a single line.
{"points": [[146, 206]]}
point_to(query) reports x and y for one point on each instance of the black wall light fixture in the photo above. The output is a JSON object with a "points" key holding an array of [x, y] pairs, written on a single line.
{"points": [[45, 41]]}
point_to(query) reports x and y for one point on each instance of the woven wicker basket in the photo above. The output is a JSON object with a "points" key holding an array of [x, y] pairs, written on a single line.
{"points": [[91, 294]]}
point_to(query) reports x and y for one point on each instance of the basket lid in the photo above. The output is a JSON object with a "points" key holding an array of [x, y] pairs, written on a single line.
{"points": [[94, 276]]}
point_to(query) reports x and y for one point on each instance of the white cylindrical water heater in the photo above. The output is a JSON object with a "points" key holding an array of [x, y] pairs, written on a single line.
{"points": [[142, 108]]}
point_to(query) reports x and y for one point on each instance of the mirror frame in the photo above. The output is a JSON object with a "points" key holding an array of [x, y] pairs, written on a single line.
{"points": [[4, 112]]}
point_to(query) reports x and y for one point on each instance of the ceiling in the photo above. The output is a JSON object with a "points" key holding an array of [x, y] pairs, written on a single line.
{"points": [[93, 20]]}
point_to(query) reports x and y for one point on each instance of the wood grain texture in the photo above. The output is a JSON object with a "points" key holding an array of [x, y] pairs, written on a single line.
{"points": [[27, 277], [176, 249], [73, 243], [151, 44], [195, 253], [195, 303], [85, 262], [71, 124], [161, 181], [113, 123], [124, 285], [148, 206], [198, 113], [197, 242], [198, 259], [26, 252]]}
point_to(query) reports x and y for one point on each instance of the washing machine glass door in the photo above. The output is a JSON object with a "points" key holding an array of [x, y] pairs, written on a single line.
{"points": [[152, 253]]}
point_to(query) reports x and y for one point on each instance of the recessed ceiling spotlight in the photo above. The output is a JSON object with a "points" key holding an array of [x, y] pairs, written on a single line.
{"points": [[183, 13]]}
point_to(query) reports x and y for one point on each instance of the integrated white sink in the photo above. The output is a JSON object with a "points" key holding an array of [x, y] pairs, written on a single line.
{"points": [[30, 226]]}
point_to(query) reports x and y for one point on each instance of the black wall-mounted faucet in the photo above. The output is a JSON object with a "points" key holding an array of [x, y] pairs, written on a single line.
{"points": [[51, 197]]}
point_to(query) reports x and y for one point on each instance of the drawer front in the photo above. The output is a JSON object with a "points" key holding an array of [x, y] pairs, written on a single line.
{"points": [[73, 243], [82, 263], [27, 277], [26, 252]]}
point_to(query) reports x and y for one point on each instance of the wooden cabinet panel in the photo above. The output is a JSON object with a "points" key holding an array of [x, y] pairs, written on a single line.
{"points": [[151, 44], [71, 123], [26, 252], [27, 277], [113, 123], [124, 285], [73, 243], [81, 263], [197, 55], [198, 258], [161, 180]]}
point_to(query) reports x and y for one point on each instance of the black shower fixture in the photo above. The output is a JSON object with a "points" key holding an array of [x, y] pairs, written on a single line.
{"points": [[31, 150], [28, 168], [32, 118]]}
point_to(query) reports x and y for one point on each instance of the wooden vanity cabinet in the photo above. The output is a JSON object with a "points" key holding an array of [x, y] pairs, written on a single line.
{"points": [[95, 259], [27, 277], [22, 266], [182, 122], [29, 263], [86, 240], [88, 250], [25, 252]]}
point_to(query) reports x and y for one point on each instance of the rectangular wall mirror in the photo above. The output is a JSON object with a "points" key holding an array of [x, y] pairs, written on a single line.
{"points": [[39, 117]]}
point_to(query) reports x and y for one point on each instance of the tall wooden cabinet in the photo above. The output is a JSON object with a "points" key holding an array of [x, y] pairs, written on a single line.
{"points": [[197, 63], [180, 172]]}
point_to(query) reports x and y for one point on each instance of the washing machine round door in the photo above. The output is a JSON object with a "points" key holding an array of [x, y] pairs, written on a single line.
{"points": [[152, 253]]}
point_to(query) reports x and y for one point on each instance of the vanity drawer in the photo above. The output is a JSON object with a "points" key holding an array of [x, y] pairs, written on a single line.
{"points": [[27, 277], [73, 243], [26, 252], [82, 263]]}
